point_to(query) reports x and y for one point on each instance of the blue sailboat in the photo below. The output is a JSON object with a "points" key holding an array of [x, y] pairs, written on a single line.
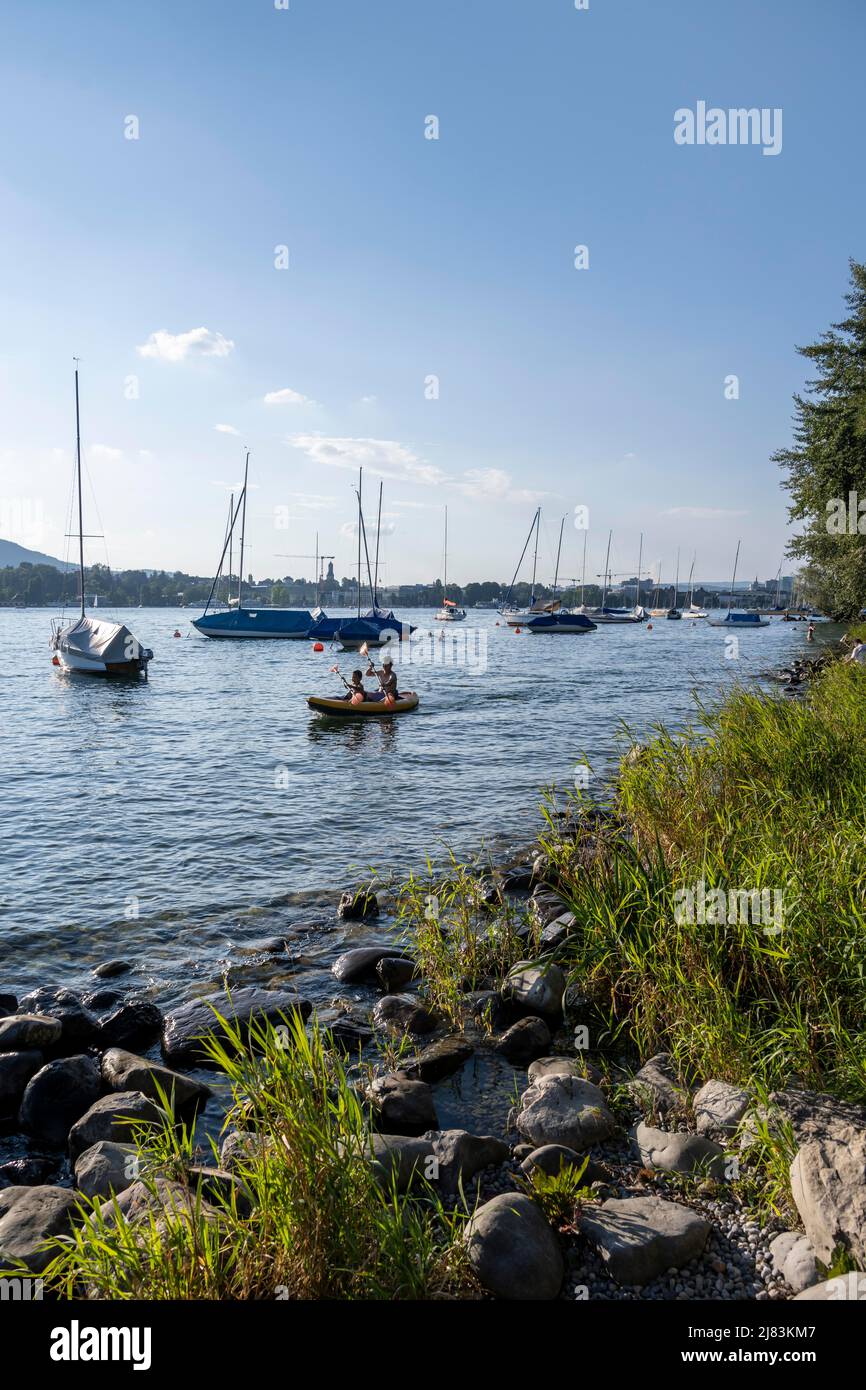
{"points": [[241, 622], [738, 619], [377, 627], [558, 619]]}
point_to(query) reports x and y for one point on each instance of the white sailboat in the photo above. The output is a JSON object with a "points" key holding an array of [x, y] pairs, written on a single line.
{"points": [[693, 610], [450, 612], [90, 645]]}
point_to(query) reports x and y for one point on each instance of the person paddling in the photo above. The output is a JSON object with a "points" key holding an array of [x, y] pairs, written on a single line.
{"points": [[387, 678]]}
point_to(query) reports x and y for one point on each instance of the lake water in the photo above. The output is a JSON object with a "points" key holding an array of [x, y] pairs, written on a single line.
{"points": [[170, 822]]}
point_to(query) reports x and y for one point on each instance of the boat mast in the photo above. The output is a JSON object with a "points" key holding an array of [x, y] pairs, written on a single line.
{"points": [[606, 564], [639, 562], [677, 580], [231, 526], [80, 502], [734, 576], [360, 485], [243, 530], [691, 581], [376, 569], [583, 572], [535, 556], [445, 575], [558, 553], [318, 599]]}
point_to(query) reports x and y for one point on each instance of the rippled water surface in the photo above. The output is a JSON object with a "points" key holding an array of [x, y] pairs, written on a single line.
{"points": [[172, 822]]}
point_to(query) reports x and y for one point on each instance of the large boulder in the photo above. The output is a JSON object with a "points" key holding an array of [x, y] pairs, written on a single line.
{"points": [[438, 1060], [398, 1158], [29, 1032], [402, 1106], [564, 1066], [828, 1183], [564, 1110], [109, 1118], [403, 1013], [125, 1071], [640, 1238], [16, 1069], [395, 972], [656, 1087], [513, 1251], [77, 1024], [8, 1004], [133, 1023], [28, 1216], [186, 1027], [524, 1040], [719, 1107], [460, 1155], [794, 1258], [106, 1167], [808, 1114], [162, 1199], [57, 1096], [358, 966], [675, 1152], [536, 989]]}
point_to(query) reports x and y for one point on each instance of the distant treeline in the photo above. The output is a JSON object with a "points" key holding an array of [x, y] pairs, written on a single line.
{"points": [[26, 586]]}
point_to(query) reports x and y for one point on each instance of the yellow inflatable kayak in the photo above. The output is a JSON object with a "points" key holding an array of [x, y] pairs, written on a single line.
{"points": [[368, 708]]}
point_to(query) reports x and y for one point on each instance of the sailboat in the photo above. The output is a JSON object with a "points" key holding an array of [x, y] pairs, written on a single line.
{"points": [[734, 618], [559, 619], [674, 611], [450, 612], [693, 610], [241, 622], [89, 645], [378, 626], [516, 617], [606, 614]]}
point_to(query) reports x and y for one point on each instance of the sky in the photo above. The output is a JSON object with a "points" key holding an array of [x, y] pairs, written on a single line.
{"points": [[282, 260]]}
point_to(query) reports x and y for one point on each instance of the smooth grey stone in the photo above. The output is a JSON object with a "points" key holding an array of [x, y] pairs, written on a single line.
{"points": [[844, 1288], [674, 1152], [719, 1107], [403, 1013], [110, 968], [358, 904], [134, 1023], [512, 1250], [552, 1158], [108, 1118], [106, 1167], [124, 1071], [402, 1106], [794, 1258], [828, 1183], [640, 1238], [656, 1087], [56, 1096], [564, 1110], [77, 1024], [28, 1216], [185, 1028], [524, 1040], [16, 1069], [460, 1155], [395, 972], [536, 989], [26, 1032], [358, 966], [438, 1060]]}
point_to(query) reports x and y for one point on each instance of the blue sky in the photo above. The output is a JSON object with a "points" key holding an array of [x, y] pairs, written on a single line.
{"points": [[411, 258]]}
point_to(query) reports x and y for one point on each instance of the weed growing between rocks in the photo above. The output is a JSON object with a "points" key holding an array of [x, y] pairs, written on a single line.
{"points": [[302, 1214]]}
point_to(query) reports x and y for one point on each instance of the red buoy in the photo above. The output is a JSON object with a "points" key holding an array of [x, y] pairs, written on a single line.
{"points": [[317, 647], [176, 633], [649, 627], [517, 629]]}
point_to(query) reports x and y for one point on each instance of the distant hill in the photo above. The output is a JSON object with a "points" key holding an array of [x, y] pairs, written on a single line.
{"points": [[13, 554]]}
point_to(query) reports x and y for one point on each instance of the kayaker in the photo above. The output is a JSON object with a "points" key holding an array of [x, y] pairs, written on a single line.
{"points": [[355, 687], [387, 677]]}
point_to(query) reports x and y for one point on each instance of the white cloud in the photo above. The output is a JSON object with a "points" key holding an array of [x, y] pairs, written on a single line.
{"points": [[369, 400], [494, 484], [227, 429], [384, 457], [104, 453], [349, 529], [177, 347], [287, 397], [313, 501], [701, 513]]}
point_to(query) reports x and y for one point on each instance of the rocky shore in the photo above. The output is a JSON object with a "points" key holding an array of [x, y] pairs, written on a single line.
{"points": [[599, 1180]]}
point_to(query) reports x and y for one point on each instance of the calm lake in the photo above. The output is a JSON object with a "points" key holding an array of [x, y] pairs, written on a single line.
{"points": [[172, 822]]}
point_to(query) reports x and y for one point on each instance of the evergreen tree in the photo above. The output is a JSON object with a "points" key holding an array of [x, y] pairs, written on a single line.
{"points": [[827, 462]]}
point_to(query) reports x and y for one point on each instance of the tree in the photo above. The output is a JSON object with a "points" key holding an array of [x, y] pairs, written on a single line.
{"points": [[826, 465]]}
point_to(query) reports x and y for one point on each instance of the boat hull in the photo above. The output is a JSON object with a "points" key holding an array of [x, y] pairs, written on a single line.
{"points": [[285, 624], [370, 709], [567, 624]]}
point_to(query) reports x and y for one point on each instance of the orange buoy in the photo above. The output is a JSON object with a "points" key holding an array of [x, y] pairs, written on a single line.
{"points": [[649, 627], [317, 647], [176, 633], [55, 661], [497, 622]]}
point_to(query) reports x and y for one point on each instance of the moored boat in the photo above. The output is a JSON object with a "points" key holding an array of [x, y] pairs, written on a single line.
{"points": [[92, 646]]}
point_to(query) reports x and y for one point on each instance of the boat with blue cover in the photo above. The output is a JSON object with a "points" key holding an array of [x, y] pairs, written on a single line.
{"points": [[732, 617], [236, 621]]}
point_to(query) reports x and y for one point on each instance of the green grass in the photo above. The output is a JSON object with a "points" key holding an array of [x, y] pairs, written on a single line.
{"points": [[765, 793], [321, 1226]]}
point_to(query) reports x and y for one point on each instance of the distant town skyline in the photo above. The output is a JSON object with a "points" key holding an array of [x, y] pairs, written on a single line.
{"points": [[496, 280]]}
